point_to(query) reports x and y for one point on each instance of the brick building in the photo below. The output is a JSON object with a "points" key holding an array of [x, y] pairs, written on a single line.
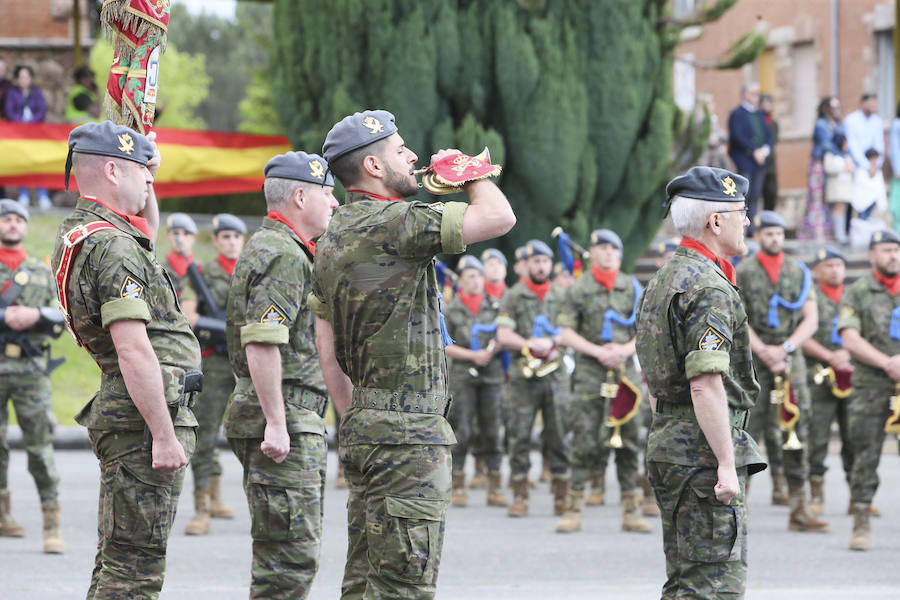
{"points": [[809, 54], [39, 33]]}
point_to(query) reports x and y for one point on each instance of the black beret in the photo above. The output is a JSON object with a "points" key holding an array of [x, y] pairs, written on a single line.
{"points": [[827, 253], [11, 207], [606, 236], [536, 247], [709, 183], [108, 139], [227, 222], [356, 131], [299, 166], [768, 218], [884, 236]]}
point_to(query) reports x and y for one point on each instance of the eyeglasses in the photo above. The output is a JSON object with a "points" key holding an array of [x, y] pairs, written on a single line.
{"points": [[740, 210]]}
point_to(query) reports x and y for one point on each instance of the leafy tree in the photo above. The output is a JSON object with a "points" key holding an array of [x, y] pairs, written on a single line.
{"points": [[572, 96]]}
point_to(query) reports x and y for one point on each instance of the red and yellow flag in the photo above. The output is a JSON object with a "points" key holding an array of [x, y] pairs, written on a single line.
{"points": [[194, 163]]}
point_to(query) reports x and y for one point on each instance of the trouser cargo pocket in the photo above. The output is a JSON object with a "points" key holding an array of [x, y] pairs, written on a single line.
{"points": [[707, 530], [406, 543]]}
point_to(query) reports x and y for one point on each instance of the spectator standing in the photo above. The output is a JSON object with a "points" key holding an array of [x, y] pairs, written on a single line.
{"points": [[25, 103], [864, 130], [839, 171], [770, 181], [816, 217], [750, 143], [894, 156], [869, 194], [5, 84], [81, 104]]}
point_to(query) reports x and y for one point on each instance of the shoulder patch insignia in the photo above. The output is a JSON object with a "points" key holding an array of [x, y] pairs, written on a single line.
{"points": [[273, 314], [131, 288], [846, 312], [437, 207], [711, 339]]}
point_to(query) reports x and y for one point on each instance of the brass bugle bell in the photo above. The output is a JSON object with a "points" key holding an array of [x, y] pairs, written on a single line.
{"points": [[615, 441], [821, 374], [793, 442], [776, 396]]}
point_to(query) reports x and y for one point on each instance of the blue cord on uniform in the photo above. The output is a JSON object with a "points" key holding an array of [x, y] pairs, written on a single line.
{"points": [[835, 335], [611, 316], [895, 324], [777, 300]]}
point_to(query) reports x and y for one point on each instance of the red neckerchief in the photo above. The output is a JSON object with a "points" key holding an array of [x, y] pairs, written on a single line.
{"points": [[727, 268], [494, 290], [139, 223], [771, 264], [605, 277], [540, 289], [227, 264], [891, 284], [12, 259], [376, 196], [179, 263], [833, 291], [277, 216], [473, 303]]}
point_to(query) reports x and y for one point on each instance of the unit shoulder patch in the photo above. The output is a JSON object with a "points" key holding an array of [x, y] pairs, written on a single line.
{"points": [[131, 288], [711, 339], [273, 314], [437, 207]]}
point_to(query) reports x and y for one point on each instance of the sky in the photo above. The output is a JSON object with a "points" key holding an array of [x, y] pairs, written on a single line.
{"points": [[221, 8]]}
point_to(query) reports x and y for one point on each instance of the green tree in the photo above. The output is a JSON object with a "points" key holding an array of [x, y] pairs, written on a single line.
{"points": [[573, 96]]}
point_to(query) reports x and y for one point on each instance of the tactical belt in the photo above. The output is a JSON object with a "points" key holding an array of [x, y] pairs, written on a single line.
{"points": [[738, 418], [411, 402], [305, 398]]}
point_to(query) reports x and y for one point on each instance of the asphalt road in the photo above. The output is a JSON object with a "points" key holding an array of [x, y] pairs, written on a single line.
{"points": [[486, 554]]}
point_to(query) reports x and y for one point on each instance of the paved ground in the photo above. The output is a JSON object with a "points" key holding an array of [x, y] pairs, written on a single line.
{"points": [[486, 554]]}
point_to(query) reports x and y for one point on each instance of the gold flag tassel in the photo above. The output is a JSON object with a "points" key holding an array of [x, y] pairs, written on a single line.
{"points": [[892, 425], [615, 441]]}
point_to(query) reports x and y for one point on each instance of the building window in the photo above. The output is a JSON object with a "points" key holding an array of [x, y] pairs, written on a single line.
{"points": [[884, 41], [684, 83], [805, 88]]}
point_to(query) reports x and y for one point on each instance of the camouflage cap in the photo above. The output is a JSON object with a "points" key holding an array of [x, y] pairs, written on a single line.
{"points": [[299, 166], [180, 220], [467, 261], [108, 139], [827, 253], [227, 222], [11, 207], [493, 253], [884, 236], [768, 218], [606, 236], [709, 183], [536, 247], [356, 131]]}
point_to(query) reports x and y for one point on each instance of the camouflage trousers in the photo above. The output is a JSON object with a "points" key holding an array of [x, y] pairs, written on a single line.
{"points": [[30, 396], [764, 425], [137, 509], [867, 413], [705, 541], [551, 398], [218, 383], [285, 501], [476, 402], [590, 441], [826, 408], [396, 512]]}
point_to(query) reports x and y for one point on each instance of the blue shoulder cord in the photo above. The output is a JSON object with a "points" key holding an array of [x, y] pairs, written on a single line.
{"points": [[611, 316], [775, 301]]}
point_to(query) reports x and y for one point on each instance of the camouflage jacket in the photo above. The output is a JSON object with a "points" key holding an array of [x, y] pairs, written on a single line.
{"points": [[267, 305], [828, 311], [459, 324], [756, 290], [374, 280], [38, 291], [518, 310], [691, 322], [866, 307], [116, 277], [218, 281], [182, 285], [583, 308]]}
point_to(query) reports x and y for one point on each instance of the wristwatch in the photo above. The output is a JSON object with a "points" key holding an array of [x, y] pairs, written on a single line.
{"points": [[788, 347]]}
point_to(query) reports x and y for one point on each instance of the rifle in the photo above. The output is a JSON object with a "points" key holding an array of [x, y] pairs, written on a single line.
{"points": [[209, 328], [16, 343]]}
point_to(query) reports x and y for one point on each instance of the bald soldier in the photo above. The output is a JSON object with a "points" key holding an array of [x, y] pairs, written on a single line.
{"points": [[121, 306], [382, 350], [693, 343]]}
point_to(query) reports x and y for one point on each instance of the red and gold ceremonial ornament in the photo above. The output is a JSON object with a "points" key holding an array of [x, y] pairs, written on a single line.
{"points": [[789, 410], [838, 381], [892, 425], [625, 400], [137, 31], [451, 173]]}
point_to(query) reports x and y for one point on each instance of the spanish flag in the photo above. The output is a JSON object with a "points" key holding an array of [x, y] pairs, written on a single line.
{"points": [[194, 163]]}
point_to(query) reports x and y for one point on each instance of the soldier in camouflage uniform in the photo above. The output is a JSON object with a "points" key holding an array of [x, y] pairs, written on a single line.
{"points": [[526, 325], [181, 233], [27, 293], [825, 351], [604, 343], [218, 379], [476, 378], [274, 422], [693, 343], [869, 325], [122, 307], [379, 331], [781, 304]]}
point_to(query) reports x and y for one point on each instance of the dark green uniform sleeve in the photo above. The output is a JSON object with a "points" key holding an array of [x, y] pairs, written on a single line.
{"points": [[570, 309], [121, 281], [273, 303], [431, 229], [507, 315], [708, 331], [848, 317]]}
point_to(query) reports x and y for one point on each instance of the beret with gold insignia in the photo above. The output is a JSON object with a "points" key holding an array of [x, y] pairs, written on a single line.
{"points": [[493, 253], [537, 247], [884, 236], [768, 218], [606, 236], [299, 166], [357, 131], [467, 261], [227, 222], [108, 139], [709, 183], [11, 207], [827, 253]]}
